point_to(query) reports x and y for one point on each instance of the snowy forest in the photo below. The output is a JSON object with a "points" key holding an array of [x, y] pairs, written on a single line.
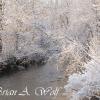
{"points": [[60, 34]]}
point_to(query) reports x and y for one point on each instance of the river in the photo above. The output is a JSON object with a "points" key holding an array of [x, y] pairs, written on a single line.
{"points": [[32, 78]]}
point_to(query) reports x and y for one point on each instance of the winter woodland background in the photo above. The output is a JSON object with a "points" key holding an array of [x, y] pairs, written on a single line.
{"points": [[68, 31]]}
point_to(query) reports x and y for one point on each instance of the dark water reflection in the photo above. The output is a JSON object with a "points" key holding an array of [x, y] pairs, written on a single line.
{"points": [[44, 76]]}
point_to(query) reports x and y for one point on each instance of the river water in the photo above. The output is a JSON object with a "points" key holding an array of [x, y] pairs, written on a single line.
{"points": [[32, 78]]}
